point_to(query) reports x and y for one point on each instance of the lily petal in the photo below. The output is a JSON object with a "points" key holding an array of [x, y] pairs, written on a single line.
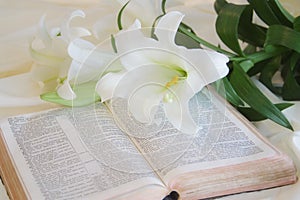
{"points": [[167, 26], [143, 87], [74, 70], [219, 62], [43, 32], [140, 50], [85, 95], [105, 27], [80, 49], [146, 10], [107, 84], [142, 103], [133, 31], [69, 33], [178, 114], [65, 91], [89, 63], [45, 58], [87, 53], [204, 67]]}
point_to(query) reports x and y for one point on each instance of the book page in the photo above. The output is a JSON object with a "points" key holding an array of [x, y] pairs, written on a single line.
{"points": [[223, 139], [75, 153]]}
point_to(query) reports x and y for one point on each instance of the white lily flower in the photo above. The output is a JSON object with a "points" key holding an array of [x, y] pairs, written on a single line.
{"points": [[145, 10], [159, 71], [49, 51], [88, 64], [66, 59]]}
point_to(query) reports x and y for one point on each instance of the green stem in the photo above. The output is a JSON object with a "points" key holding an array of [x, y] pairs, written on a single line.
{"points": [[260, 55], [263, 55], [203, 42], [255, 57]]}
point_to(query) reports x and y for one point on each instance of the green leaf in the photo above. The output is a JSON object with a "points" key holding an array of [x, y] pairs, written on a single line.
{"points": [[291, 88], [268, 72], [261, 58], [183, 40], [187, 27], [113, 43], [249, 49], [281, 13], [252, 33], [153, 26], [249, 32], [119, 18], [297, 24], [255, 69], [249, 93], [246, 65], [163, 6], [85, 95], [254, 63], [264, 11], [219, 4], [268, 52], [230, 93], [283, 36], [227, 25], [253, 115], [183, 29]]}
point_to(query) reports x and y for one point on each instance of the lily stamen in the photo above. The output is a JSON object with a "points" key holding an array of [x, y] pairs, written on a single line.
{"points": [[172, 82]]}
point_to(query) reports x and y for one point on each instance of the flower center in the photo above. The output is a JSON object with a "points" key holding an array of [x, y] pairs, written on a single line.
{"points": [[181, 75], [173, 81], [168, 97]]}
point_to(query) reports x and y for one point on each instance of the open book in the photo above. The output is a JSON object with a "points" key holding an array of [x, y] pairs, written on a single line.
{"points": [[101, 152]]}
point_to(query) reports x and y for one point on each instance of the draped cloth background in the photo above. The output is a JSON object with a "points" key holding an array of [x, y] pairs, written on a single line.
{"points": [[19, 93]]}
